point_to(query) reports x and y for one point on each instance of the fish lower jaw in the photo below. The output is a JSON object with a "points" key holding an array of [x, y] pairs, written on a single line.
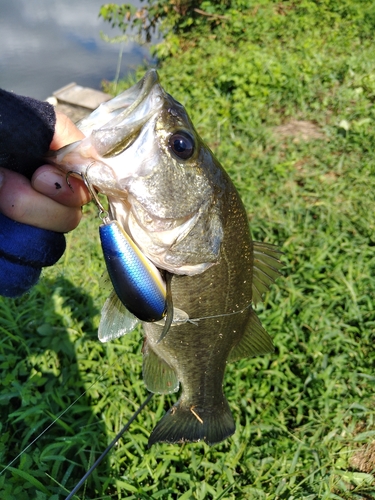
{"points": [[162, 232], [158, 247]]}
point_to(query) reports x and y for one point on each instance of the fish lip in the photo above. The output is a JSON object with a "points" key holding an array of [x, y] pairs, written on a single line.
{"points": [[144, 87], [150, 79], [129, 100], [130, 111]]}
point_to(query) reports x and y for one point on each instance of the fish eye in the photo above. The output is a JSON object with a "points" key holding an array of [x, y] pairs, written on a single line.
{"points": [[182, 145]]}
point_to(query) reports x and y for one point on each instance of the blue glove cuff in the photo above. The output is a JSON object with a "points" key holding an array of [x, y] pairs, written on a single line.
{"points": [[24, 250]]}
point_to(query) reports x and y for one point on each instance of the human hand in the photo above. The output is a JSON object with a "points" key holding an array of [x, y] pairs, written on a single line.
{"points": [[35, 214], [47, 201]]}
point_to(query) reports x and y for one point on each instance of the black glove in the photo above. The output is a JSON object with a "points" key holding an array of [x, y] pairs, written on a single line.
{"points": [[26, 131]]}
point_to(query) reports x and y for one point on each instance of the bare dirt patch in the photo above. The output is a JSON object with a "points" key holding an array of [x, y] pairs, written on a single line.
{"points": [[299, 130], [364, 459]]}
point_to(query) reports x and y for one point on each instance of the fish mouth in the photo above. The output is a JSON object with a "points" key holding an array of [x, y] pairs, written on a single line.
{"points": [[111, 129], [114, 128]]}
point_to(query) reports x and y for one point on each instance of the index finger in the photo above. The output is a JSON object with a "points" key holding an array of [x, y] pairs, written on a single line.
{"points": [[51, 182], [65, 132]]}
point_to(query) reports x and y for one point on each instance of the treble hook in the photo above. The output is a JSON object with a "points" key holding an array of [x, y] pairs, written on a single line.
{"points": [[103, 213], [135, 279]]}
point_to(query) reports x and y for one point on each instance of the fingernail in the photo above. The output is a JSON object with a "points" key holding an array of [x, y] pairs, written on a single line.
{"points": [[49, 183]]}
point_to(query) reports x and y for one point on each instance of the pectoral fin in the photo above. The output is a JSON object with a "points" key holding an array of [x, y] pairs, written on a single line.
{"points": [[266, 268], [115, 320], [255, 340], [157, 374]]}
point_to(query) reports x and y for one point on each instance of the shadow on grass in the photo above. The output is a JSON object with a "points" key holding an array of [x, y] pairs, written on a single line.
{"points": [[46, 344]]}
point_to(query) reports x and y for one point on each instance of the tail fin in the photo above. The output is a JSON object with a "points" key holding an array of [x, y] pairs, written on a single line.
{"points": [[184, 423]]}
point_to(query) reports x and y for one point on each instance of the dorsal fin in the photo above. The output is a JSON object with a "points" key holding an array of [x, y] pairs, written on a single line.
{"points": [[266, 268], [255, 340]]}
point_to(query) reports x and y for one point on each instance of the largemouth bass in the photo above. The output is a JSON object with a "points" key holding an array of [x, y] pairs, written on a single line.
{"points": [[171, 197]]}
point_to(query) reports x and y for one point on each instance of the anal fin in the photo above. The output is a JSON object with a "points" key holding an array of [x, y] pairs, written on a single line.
{"points": [[158, 376], [255, 340]]}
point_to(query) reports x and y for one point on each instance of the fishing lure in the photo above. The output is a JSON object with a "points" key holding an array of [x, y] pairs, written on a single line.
{"points": [[137, 282]]}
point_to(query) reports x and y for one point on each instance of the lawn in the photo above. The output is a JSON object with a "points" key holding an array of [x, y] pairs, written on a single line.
{"points": [[283, 93]]}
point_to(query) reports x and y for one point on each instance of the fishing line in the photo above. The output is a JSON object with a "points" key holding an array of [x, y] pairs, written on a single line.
{"points": [[169, 318], [54, 421], [182, 320], [110, 446], [118, 69], [195, 320]]}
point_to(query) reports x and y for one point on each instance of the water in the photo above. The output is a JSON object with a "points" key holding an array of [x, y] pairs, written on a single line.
{"points": [[46, 44]]}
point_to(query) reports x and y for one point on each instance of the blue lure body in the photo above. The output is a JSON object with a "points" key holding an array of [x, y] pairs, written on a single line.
{"points": [[137, 282]]}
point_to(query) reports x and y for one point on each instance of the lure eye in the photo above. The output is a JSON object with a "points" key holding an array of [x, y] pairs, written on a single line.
{"points": [[182, 145]]}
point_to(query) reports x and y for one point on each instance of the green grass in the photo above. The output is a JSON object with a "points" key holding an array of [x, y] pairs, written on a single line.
{"points": [[303, 412]]}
